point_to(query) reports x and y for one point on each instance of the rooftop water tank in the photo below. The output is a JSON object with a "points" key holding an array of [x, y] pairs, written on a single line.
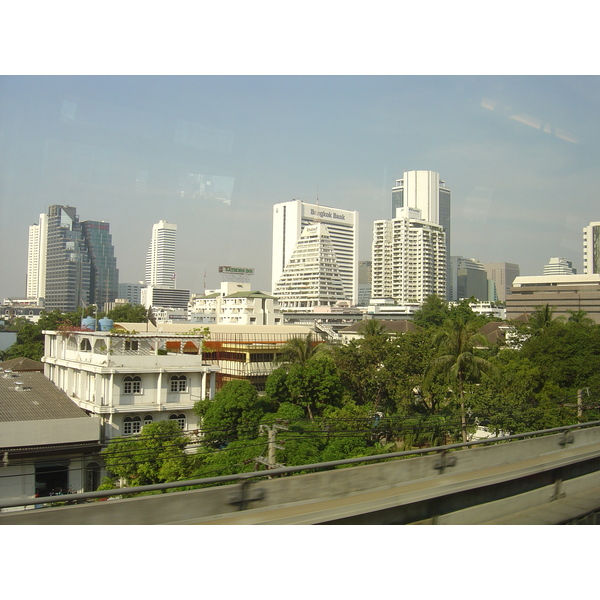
{"points": [[106, 324], [89, 323]]}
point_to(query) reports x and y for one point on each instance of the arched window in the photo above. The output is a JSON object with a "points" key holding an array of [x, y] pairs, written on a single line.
{"points": [[148, 419], [132, 384], [132, 425], [180, 418], [178, 383]]}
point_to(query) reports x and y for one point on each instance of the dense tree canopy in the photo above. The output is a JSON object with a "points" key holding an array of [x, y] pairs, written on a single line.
{"points": [[155, 455], [233, 414], [312, 384]]}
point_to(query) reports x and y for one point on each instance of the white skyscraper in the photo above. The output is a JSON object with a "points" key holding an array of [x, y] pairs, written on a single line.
{"points": [[290, 219], [591, 248], [160, 260], [36, 259], [311, 277], [408, 258], [425, 191]]}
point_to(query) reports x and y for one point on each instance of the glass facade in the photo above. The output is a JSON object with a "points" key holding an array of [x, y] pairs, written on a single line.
{"points": [[104, 279], [81, 268], [68, 265]]}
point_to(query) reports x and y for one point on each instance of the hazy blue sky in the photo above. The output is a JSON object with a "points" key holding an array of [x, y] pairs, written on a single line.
{"points": [[212, 154]]}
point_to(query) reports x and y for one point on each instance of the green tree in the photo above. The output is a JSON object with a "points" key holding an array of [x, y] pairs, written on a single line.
{"points": [[382, 372], [580, 317], [372, 328], [30, 339], [155, 455], [128, 313], [299, 350], [313, 384], [542, 319], [520, 399], [432, 313], [234, 413], [29, 342], [569, 355], [457, 361]]}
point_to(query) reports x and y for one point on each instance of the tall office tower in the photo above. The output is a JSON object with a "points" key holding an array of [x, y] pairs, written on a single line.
{"points": [[290, 219], [591, 248], [104, 278], [160, 260], [427, 192], [36, 259], [68, 262], [468, 278], [502, 274], [409, 258], [311, 276], [364, 282], [559, 266]]}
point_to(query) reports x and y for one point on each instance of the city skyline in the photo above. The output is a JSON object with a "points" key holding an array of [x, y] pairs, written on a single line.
{"points": [[215, 154]]}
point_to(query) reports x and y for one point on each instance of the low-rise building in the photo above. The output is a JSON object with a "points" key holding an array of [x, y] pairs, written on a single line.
{"points": [[563, 292], [48, 445], [235, 303], [130, 379], [236, 351]]}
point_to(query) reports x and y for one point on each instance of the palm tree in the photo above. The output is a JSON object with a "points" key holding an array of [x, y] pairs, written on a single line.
{"points": [[372, 328], [541, 319], [299, 350], [580, 317], [455, 343]]}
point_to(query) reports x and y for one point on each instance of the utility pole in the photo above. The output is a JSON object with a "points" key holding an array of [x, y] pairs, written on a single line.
{"points": [[580, 403], [271, 440]]}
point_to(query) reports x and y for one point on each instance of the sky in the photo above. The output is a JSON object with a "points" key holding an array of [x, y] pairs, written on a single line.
{"points": [[213, 154]]}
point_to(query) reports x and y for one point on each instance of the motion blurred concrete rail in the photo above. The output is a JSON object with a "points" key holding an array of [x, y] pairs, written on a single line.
{"points": [[548, 479]]}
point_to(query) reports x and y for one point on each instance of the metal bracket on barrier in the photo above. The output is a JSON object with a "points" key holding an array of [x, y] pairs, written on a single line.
{"points": [[245, 495], [445, 460], [558, 493], [566, 438]]}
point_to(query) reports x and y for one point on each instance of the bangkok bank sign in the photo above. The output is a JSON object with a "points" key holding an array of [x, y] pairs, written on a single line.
{"points": [[327, 214]]}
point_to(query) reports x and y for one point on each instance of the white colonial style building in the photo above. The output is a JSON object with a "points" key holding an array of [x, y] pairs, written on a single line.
{"points": [[234, 303], [130, 379]]}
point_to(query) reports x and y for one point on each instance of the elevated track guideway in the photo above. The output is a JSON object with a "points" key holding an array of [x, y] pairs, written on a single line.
{"points": [[546, 477]]}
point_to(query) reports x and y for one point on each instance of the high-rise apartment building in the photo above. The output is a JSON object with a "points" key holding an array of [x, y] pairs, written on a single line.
{"points": [[104, 280], [160, 260], [468, 278], [289, 221], [502, 274], [425, 191], [591, 248], [408, 258], [36, 259], [559, 266]]}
